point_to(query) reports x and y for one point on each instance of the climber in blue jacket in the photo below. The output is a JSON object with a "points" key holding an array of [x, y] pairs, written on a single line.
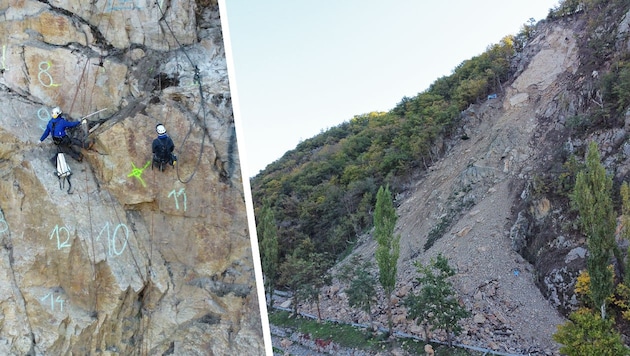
{"points": [[57, 126]]}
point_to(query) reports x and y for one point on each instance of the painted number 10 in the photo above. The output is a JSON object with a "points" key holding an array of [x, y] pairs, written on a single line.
{"points": [[111, 239]]}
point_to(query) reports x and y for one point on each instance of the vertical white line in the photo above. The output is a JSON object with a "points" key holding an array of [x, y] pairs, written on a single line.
{"points": [[262, 303]]}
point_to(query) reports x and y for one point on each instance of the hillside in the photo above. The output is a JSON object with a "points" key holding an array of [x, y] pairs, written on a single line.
{"points": [[492, 194], [131, 260]]}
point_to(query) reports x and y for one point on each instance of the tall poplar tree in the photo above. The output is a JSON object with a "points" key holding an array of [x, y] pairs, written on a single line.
{"points": [[625, 222], [268, 236], [592, 198], [388, 249]]}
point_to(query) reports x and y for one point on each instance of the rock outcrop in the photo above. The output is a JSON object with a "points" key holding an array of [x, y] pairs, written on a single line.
{"points": [[134, 261]]}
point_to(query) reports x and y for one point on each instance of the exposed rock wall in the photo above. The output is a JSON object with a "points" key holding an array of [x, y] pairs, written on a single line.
{"points": [[135, 261]]}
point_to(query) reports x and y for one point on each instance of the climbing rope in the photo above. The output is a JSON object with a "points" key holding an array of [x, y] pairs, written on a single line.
{"points": [[202, 106], [92, 242], [146, 340], [138, 270], [89, 209], [81, 86], [198, 156], [196, 79], [76, 92]]}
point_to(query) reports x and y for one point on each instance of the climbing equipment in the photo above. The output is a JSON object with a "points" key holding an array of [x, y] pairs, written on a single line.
{"points": [[63, 171], [202, 105], [160, 129], [86, 130]]}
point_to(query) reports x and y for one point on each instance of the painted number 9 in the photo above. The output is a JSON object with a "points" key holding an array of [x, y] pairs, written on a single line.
{"points": [[44, 116]]}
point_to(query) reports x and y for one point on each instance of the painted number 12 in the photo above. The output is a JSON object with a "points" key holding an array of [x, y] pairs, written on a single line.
{"points": [[61, 240]]}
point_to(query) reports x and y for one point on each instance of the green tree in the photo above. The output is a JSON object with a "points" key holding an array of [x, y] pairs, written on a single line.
{"points": [[592, 198], [315, 276], [587, 333], [388, 249], [304, 273], [436, 306], [292, 278], [361, 290], [625, 223], [268, 235], [622, 290]]}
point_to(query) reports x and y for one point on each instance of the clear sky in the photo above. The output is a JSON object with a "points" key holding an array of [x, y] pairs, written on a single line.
{"points": [[302, 66]]}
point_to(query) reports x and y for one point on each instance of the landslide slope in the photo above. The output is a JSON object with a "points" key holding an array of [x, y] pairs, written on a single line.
{"points": [[491, 203]]}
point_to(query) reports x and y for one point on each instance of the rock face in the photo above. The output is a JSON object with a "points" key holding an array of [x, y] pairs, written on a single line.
{"points": [[510, 233], [135, 261]]}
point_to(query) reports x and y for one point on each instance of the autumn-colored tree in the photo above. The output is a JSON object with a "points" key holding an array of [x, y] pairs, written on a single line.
{"points": [[587, 333], [388, 246]]}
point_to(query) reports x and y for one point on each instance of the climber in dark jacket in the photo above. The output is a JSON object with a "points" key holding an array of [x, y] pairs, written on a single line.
{"points": [[57, 129], [162, 149]]}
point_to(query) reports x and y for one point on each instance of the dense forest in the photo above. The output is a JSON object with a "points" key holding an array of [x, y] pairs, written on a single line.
{"points": [[322, 193]]}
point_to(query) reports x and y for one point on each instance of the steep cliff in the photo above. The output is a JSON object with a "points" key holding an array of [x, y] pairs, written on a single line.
{"points": [[134, 261]]}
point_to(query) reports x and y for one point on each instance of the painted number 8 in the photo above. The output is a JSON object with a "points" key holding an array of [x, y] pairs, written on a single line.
{"points": [[44, 72]]}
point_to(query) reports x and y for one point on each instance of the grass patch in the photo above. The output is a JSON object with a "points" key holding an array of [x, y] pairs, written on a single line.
{"points": [[348, 336], [342, 334]]}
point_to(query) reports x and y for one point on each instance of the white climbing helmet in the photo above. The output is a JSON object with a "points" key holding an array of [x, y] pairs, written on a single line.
{"points": [[56, 111], [160, 129]]}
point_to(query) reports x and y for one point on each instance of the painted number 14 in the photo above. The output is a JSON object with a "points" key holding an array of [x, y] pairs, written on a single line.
{"points": [[53, 300]]}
